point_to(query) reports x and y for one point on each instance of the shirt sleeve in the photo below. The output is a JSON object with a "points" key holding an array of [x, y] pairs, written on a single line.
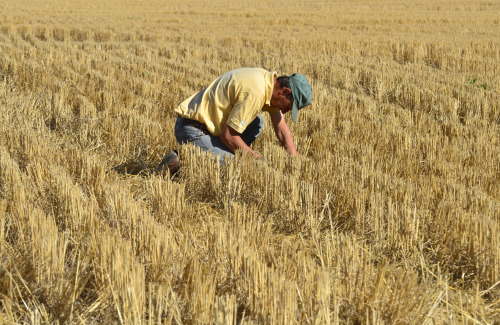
{"points": [[244, 111]]}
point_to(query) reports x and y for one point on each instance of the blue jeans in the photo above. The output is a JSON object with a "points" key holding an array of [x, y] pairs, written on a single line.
{"points": [[189, 131]]}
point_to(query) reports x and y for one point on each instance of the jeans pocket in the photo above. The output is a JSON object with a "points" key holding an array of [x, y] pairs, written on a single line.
{"points": [[186, 133]]}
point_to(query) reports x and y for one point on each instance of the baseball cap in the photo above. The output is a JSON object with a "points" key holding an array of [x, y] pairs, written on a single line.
{"points": [[301, 92]]}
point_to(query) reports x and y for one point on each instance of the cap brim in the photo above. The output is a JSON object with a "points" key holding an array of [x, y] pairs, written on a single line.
{"points": [[295, 112]]}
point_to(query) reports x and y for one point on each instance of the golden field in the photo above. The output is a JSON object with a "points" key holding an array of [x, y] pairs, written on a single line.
{"points": [[389, 215]]}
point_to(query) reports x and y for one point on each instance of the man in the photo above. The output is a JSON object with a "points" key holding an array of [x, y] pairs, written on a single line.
{"points": [[224, 117]]}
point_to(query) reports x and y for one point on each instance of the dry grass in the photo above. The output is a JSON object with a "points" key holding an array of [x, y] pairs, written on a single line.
{"points": [[390, 215]]}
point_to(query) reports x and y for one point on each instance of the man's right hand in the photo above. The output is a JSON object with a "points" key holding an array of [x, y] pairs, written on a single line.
{"points": [[233, 141]]}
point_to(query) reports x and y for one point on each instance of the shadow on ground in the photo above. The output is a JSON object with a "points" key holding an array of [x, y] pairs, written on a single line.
{"points": [[135, 166]]}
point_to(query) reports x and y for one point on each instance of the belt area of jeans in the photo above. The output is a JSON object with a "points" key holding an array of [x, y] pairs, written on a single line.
{"points": [[193, 123]]}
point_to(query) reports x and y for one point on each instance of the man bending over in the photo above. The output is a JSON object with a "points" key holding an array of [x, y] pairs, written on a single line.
{"points": [[225, 116]]}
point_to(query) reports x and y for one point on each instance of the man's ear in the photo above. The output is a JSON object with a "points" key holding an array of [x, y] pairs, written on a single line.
{"points": [[287, 90]]}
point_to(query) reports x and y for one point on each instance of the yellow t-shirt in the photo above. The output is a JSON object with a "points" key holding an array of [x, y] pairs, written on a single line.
{"points": [[235, 99]]}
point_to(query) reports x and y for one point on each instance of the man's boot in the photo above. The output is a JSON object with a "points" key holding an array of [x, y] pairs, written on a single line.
{"points": [[171, 163]]}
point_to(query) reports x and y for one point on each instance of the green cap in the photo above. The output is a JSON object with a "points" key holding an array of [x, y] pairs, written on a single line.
{"points": [[301, 92]]}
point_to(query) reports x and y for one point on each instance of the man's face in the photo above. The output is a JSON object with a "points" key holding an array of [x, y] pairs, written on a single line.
{"points": [[279, 99]]}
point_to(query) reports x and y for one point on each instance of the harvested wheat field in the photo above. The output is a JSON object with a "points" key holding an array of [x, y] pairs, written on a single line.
{"points": [[390, 214]]}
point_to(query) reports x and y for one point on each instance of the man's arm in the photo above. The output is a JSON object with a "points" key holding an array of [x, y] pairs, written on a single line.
{"points": [[233, 141], [283, 132]]}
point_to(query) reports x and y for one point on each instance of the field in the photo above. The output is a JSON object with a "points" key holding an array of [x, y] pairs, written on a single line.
{"points": [[389, 215]]}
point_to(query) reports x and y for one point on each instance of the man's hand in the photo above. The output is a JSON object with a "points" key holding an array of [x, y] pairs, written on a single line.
{"points": [[233, 141], [283, 132]]}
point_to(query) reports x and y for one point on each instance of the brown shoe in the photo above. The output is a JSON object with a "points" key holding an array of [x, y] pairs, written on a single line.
{"points": [[171, 163]]}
